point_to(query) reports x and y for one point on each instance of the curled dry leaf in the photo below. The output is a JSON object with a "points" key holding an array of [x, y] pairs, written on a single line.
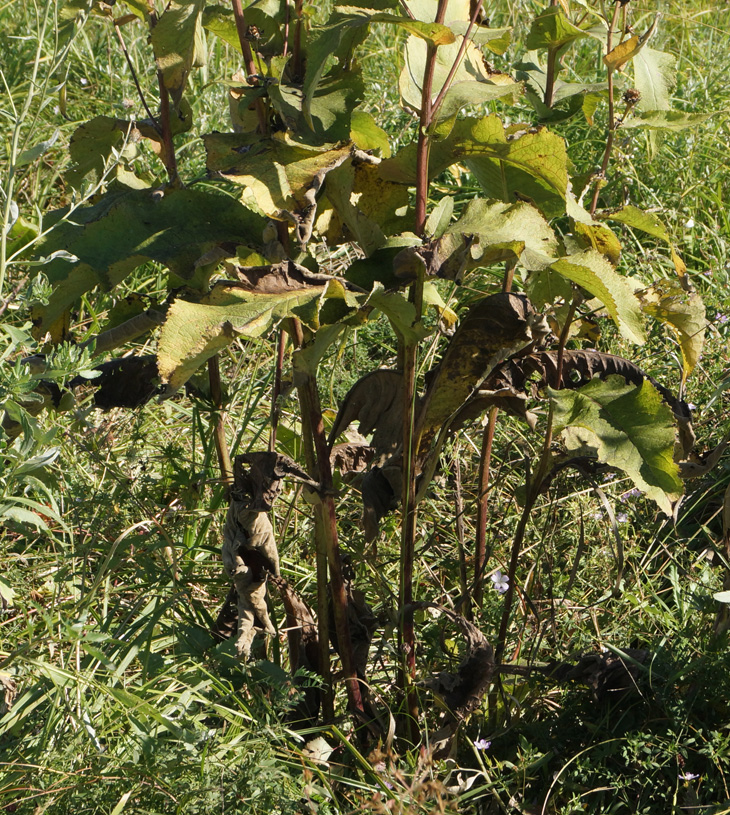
{"points": [[610, 675], [249, 555], [249, 548], [276, 278], [301, 633], [350, 458], [258, 477], [376, 401]]}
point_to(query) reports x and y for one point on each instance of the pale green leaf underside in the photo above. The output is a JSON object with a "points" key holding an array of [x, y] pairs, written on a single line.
{"points": [[593, 272]]}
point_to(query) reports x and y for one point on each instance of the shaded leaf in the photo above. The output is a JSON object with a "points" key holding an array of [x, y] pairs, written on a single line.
{"points": [[376, 402], [552, 30], [369, 206], [518, 163], [126, 228], [493, 329]]}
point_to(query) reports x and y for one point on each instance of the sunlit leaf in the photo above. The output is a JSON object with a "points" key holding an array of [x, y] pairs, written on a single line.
{"points": [[683, 311], [673, 120], [629, 427], [591, 271]]}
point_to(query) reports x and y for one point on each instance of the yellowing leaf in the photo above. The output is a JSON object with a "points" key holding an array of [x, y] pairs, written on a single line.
{"points": [[683, 311], [194, 332], [276, 174], [622, 53]]}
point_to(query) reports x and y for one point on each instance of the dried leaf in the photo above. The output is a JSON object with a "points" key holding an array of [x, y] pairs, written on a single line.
{"points": [[376, 401]]}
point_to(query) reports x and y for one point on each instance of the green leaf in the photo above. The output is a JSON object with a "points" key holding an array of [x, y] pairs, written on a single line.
{"points": [[194, 332], [328, 112], [22, 516], [552, 30], [177, 41], [91, 146], [637, 219], [264, 14], [433, 33], [127, 228], [378, 267], [498, 223], [276, 173], [7, 592], [366, 134], [530, 163], [674, 120], [654, 77], [471, 84], [440, 217], [629, 427], [593, 272], [32, 153], [401, 313], [497, 40], [683, 312]]}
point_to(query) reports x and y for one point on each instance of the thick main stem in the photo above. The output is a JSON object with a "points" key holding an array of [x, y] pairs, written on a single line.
{"points": [[327, 526], [410, 357]]}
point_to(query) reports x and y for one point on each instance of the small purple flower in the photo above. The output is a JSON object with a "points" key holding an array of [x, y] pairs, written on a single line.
{"points": [[388, 785], [688, 776], [633, 493], [501, 581], [482, 744], [691, 405], [597, 515], [622, 518], [721, 318]]}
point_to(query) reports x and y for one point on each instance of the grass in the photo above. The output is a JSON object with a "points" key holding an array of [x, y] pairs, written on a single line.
{"points": [[124, 701]]}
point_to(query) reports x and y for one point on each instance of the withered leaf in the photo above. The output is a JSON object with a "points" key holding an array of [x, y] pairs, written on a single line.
{"points": [[276, 278], [376, 401]]}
